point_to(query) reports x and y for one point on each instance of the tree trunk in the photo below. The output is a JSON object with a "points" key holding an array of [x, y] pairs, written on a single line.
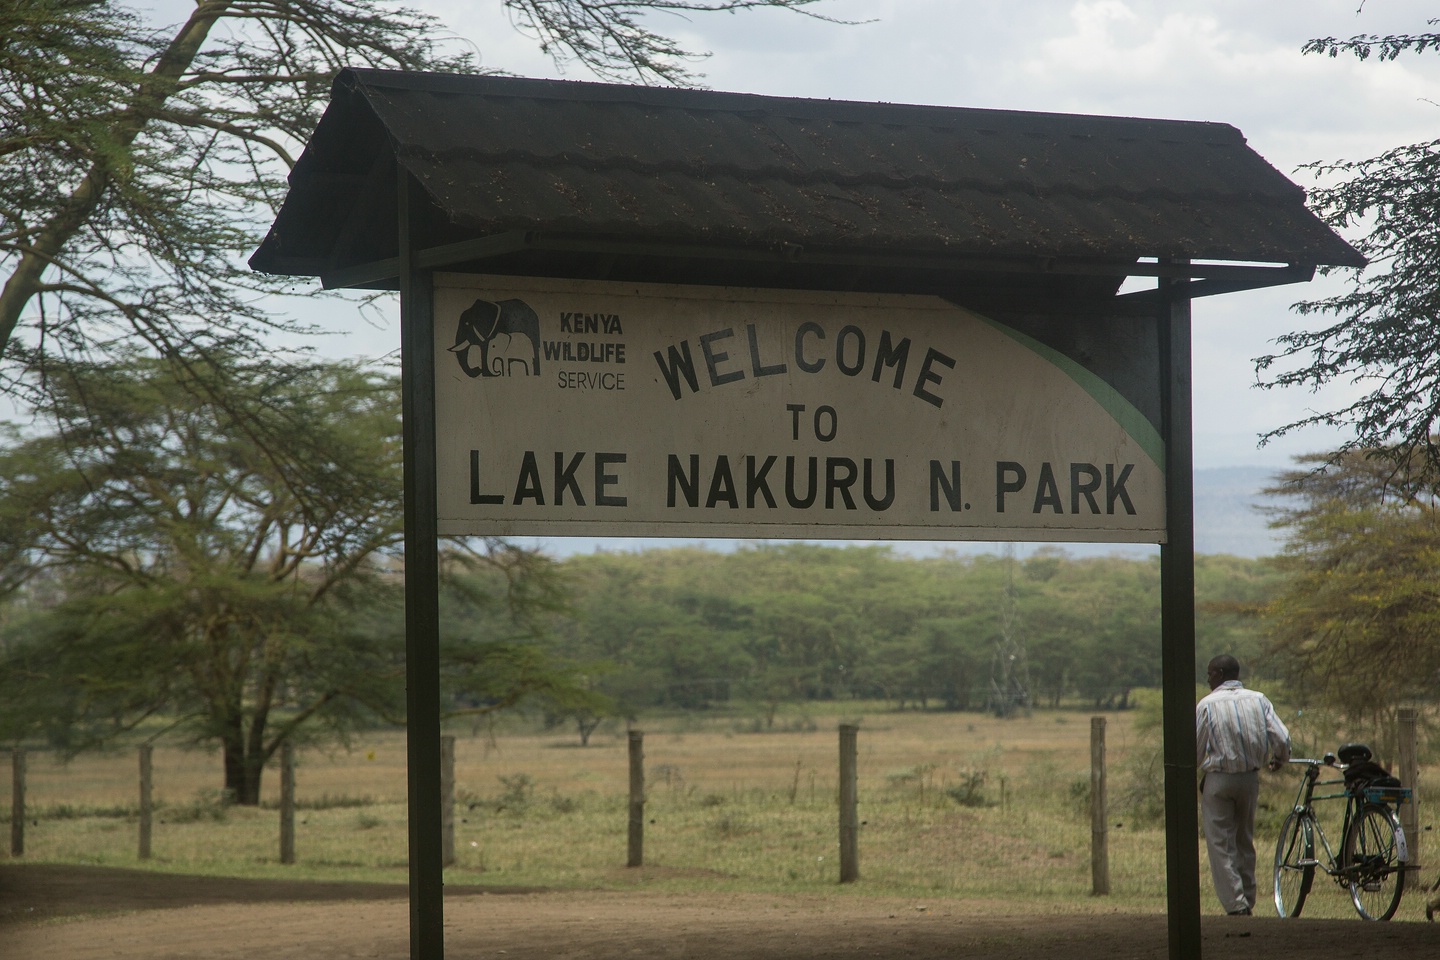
{"points": [[249, 795], [242, 771], [587, 726], [233, 757]]}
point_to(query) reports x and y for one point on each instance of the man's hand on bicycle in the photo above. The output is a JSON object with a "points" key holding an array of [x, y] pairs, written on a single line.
{"points": [[1275, 764]]}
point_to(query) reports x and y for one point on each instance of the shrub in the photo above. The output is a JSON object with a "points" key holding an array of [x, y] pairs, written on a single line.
{"points": [[968, 792], [562, 804], [1141, 793], [518, 792]]}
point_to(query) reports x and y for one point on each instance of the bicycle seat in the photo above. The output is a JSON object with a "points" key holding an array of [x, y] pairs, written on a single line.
{"points": [[1354, 753]]}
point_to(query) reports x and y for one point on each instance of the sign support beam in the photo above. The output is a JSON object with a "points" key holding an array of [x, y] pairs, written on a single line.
{"points": [[1177, 624], [1208, 279], [422, 589]]}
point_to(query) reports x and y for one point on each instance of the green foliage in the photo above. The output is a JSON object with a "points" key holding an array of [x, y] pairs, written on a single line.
{"points": [[1138, 791], [1354, 626], [1381, 332], [1383, 48], [771, 722], [517, 799], [969, 791], [498, 603], [197, 572], [763, 626], [518, 790], [144, 157], [241, 592], [1230, 598]]}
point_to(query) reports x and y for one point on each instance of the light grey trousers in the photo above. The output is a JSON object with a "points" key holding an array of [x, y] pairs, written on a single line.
{"points": [[1227, 812]]}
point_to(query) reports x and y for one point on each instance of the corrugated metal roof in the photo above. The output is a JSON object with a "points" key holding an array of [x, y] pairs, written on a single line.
{"points": [[499, 154]]}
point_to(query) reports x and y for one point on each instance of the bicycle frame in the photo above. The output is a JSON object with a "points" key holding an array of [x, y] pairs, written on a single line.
{"points": [[1373, 853], [1305, 801]]}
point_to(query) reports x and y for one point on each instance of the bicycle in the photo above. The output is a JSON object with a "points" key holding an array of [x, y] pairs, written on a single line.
{"points": [[1373, 853]]}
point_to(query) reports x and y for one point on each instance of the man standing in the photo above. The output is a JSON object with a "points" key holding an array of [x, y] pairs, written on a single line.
{"points": [[1236, 731]]}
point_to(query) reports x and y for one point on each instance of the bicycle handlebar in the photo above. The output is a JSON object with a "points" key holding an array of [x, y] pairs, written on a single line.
{"points": [[1328, 760]]}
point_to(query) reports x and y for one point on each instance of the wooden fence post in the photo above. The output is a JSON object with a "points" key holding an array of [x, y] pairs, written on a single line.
{"points": [[849, 805], [636, 853], [287, 803], [17, 802], [1409, 775], [147, 802], [447, 801], [1099, 815]]}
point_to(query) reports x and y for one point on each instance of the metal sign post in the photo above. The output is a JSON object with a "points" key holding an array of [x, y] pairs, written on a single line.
{"points": [[1177, 626], [422, 594]]}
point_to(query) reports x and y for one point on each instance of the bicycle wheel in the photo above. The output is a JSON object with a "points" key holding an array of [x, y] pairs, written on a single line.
{"points": [[1375, 855], [1294, 864]]}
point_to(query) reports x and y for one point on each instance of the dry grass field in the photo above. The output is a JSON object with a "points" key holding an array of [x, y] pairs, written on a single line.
{"points": [[953, 806]]}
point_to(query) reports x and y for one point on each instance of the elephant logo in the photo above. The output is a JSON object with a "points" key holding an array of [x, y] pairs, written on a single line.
{"points": [[504, 336]]}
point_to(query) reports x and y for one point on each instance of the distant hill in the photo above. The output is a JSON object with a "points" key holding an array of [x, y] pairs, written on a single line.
{"points": [[1226, 518]]}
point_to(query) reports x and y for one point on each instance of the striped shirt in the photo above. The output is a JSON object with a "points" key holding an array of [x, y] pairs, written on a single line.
{"points": [[1236, 730]]}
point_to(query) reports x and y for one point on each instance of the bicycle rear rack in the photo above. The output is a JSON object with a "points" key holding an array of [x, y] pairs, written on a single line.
{"points": [[1395, 795]]}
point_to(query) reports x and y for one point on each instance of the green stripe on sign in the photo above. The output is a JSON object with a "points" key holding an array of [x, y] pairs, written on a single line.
{"points": [[1131, 420]]}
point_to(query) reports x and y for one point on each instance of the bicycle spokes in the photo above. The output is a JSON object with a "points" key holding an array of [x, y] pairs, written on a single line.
{"points": [[1374, 864]]}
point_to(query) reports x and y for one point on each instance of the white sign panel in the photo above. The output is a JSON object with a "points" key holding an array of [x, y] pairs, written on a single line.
{"points": [[608, 409]]}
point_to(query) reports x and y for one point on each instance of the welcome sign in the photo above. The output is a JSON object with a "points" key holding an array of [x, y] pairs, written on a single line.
{"points": [[608, 409]]}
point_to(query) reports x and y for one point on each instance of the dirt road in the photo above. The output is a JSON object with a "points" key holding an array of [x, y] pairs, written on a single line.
{"points": [[77, 913]]}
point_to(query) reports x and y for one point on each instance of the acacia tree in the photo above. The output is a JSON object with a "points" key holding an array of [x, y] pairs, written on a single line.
{"points": [[1354, 623], [205, 585], [1384, 330], [139, 163]]}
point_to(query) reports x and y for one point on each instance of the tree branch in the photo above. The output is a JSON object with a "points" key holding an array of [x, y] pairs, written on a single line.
{"points": [[242, 133]]}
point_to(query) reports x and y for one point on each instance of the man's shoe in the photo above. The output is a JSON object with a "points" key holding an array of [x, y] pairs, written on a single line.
{"points": [[1240, 913]]}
